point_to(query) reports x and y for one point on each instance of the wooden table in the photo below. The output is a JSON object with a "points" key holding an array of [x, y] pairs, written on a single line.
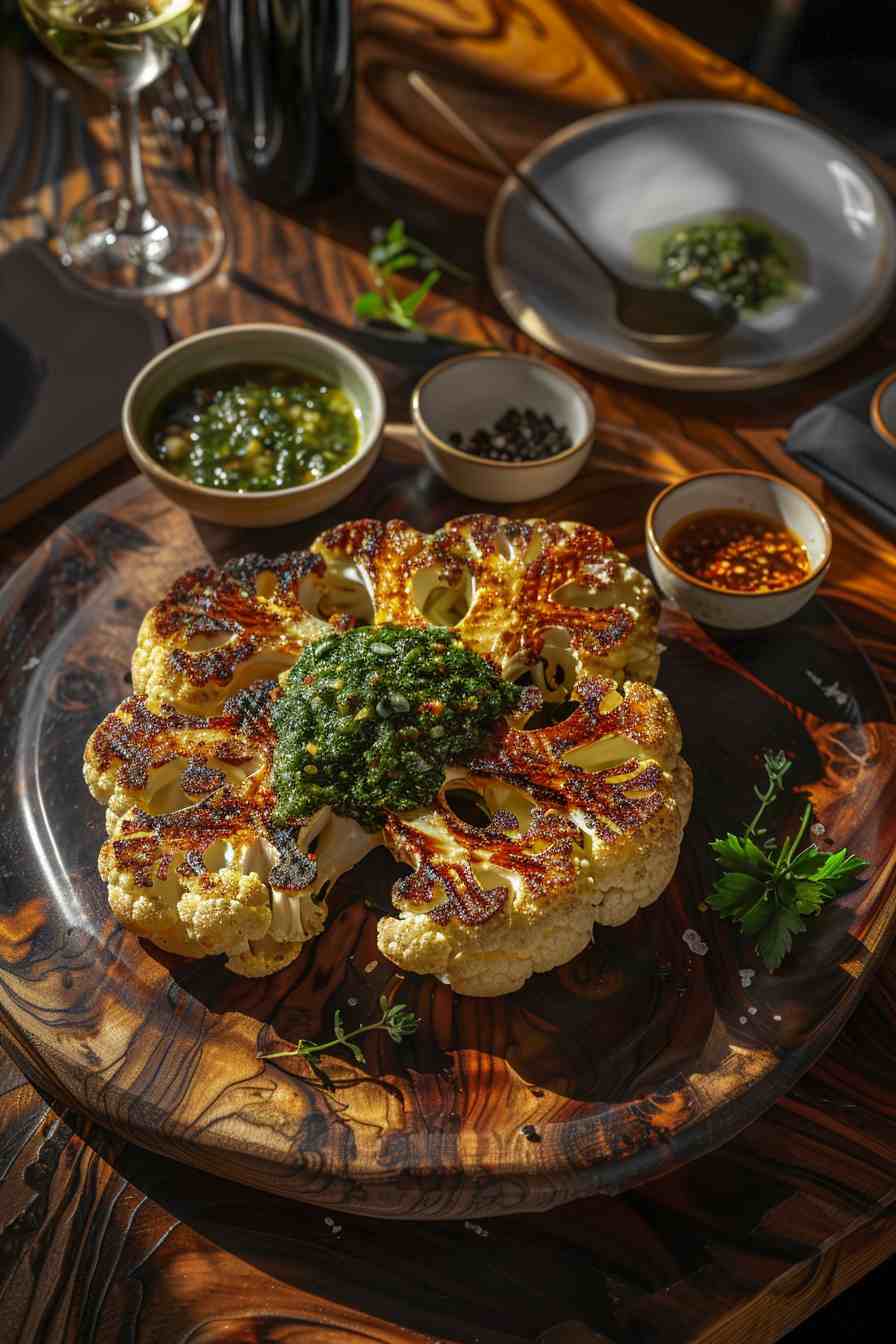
{"points": [[100, 1241]]}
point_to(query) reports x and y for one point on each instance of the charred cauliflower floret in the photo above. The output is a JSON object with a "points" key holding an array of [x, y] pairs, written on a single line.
{"points": [[585, 825], [486, 905], [555, 598], [573, 824], [194, 862], [217, 631], [161, 762]]}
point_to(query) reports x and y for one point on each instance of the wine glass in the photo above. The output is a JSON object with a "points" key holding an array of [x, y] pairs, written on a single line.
{"points": [[116, 240]]}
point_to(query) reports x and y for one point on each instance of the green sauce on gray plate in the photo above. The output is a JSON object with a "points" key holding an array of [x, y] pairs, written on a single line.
{"points": [[740, 256]]}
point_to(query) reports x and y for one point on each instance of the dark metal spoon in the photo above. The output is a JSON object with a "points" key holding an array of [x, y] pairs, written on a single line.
{"points": [[671, 319]]}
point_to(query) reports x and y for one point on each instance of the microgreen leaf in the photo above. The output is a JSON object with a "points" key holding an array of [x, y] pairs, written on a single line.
{"points": [[757, 916], [841, 868], [809, 897], [412, 302], [740, 855], [737, 887], [809, 864], [370, 305], [392, 251], [405, 261]]}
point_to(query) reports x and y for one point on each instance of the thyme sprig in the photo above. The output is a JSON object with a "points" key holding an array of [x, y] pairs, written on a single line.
{"points": [[397, 1021]]}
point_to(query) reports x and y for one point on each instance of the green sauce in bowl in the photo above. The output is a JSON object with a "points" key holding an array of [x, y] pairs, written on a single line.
{"points": [[255, 428]]}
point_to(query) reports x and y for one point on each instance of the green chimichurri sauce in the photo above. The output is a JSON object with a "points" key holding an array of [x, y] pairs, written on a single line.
{"points": [[369, 720], [251, 428], [739, 256]]}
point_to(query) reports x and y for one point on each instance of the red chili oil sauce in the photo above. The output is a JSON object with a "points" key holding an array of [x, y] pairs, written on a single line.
{"points": [[739, 551]]}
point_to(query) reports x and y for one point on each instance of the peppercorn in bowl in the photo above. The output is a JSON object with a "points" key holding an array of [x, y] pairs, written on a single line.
{"points": [[503, 427]]}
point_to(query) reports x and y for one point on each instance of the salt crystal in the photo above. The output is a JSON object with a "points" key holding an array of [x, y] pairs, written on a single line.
{"points": [[752, 1011], [31, 664], [329, 1222], [747, 976], [353, 1003], [370, 967], [695, 942], [777, 1017], [818, 828], [742, 1021]]}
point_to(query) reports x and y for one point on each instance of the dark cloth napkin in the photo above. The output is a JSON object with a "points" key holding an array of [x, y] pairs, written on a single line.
{"points": [[836, 440], [67, 355]]}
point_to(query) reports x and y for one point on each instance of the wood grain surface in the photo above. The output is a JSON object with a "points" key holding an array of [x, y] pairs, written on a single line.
{"points": [[745, 1243], [103, 1242], [523, 70]]}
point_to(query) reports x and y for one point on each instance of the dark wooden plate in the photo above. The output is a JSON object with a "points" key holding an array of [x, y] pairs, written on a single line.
{"points": [[634, 1058]]}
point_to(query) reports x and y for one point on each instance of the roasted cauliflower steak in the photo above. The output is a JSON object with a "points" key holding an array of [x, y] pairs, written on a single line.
{"points": [[576, 822]]}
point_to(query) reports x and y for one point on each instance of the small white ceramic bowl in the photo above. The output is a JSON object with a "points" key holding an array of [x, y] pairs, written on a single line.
{"points": [[471, 392], [255, 343], [757, 493], [883, 409]]}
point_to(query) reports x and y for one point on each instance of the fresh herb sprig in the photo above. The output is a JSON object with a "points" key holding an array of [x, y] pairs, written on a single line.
{"points": [[767, 888], [397, 1021], [393, 251]]}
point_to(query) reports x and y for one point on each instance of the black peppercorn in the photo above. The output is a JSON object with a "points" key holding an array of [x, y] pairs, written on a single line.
{"points": [[516, 436]]}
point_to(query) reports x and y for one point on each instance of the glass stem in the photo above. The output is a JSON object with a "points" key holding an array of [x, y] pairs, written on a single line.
{"points": [[135, 216]]}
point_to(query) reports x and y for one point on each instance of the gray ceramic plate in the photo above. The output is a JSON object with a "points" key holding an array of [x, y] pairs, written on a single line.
{"points": [[623, 175]]}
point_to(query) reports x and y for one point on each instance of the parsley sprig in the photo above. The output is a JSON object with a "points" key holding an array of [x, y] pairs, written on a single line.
{"points": [[397, 1021], [393, 251], [767, 888]]}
